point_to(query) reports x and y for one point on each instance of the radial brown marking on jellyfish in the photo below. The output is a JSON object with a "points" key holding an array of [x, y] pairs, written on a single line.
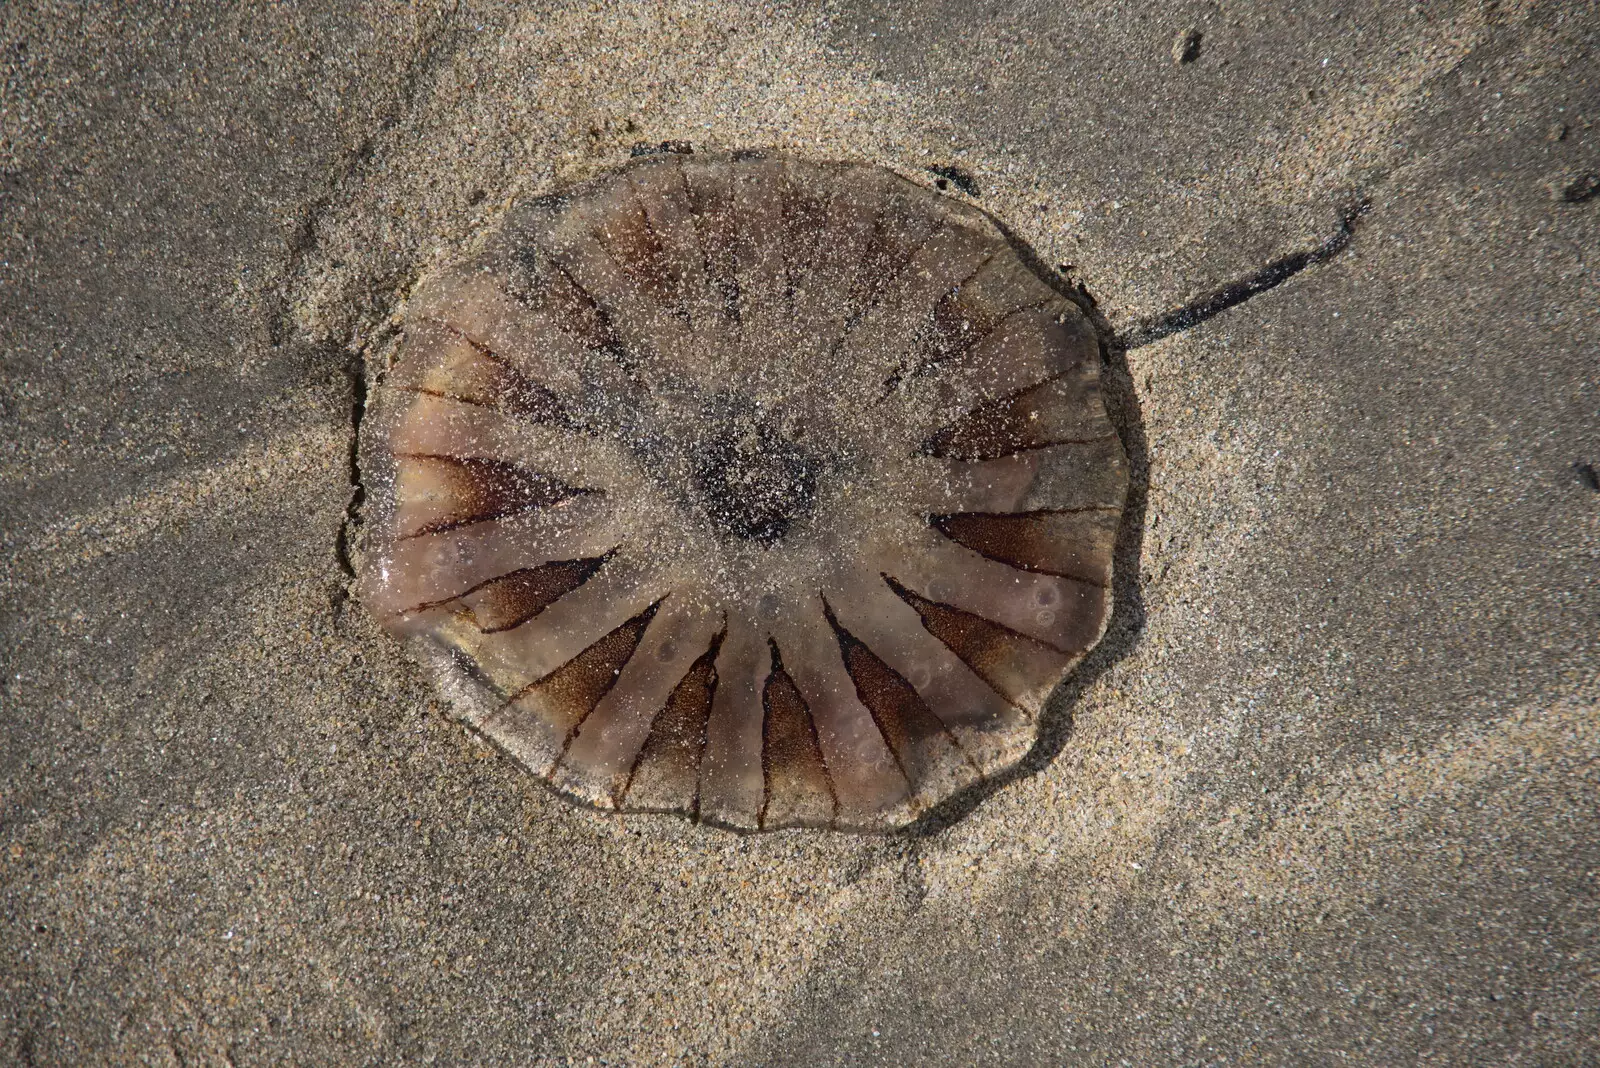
{"points": [[596, 765], [551, 293], [758, 239], [605, 335], [563, 699], [989, 729], [679, 260], [953, 326], [868, 785], [894, 238], [732, 782], [1065, 410], [926, 750], [441, 361], [441, 493], [1008, 661], [799, 790], [805, 222], [884, 263], [1075, 543], [1028, 346], [430, 571], [575, 340], [1061, 612], [634, 245], [646, 458], [827, 291], [707, 188], [1000, 288], [512, 599], [610, 251], [665, 776], [1088, 474]]}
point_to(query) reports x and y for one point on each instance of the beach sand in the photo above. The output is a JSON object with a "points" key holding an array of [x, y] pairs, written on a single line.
{"points": [[1328, 793]]}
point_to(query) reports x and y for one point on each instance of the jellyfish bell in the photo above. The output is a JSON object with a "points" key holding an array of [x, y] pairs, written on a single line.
{"points": [[764, 491]]}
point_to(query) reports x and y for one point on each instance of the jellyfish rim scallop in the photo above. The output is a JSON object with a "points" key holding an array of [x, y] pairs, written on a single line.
{"points": [[765, 491]]}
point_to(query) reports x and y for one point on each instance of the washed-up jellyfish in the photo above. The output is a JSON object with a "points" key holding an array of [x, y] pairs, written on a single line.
{"points": [[768, 492]]}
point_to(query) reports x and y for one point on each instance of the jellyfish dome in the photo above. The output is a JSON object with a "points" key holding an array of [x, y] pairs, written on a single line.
{"points": [[768, 492]]}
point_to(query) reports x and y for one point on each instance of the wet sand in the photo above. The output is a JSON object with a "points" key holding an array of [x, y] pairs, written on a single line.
{"points": [[1327, 794]]}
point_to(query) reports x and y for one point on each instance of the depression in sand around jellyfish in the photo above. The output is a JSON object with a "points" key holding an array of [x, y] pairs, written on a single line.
{"points": [[769, 492]]}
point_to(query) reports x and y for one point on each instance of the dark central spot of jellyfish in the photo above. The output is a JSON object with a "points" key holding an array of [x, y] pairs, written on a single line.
{"points": [[752, 480]]}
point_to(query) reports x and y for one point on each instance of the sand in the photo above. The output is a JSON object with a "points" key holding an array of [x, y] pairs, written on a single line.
{"points": [[1328, 795]]}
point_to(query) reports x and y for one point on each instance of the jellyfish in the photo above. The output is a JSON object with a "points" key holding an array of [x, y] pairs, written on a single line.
{"points": [[764, 491]]}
